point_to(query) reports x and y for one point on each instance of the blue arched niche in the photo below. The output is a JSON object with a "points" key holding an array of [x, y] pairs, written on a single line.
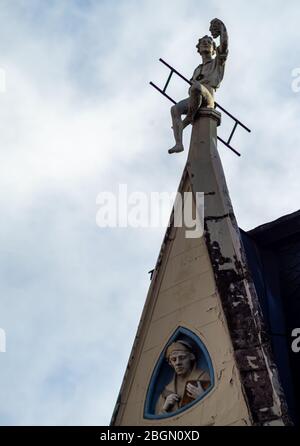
{"points": [[163, 373]]}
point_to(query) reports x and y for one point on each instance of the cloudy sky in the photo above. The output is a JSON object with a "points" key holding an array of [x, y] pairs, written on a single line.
{"points": [[78, 117]]}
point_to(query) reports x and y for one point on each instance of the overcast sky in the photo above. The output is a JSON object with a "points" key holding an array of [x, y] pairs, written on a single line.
{"points": [[77, 118]]}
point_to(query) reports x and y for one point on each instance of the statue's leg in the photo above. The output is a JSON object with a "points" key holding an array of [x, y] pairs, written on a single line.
{"points": [[195, 101], [207, 97], [181, 108]]}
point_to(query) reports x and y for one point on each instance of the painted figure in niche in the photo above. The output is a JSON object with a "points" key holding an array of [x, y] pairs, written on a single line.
{"points": [[189, 381]]}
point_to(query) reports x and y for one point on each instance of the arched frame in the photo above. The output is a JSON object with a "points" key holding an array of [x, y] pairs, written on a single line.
{"points": [[162, 374]]}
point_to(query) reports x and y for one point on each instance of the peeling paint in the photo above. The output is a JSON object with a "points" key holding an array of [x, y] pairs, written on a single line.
{"points": [[244, 330]]}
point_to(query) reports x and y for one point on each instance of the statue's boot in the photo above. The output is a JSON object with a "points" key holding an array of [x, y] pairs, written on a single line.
{"points": [[177, 148]]}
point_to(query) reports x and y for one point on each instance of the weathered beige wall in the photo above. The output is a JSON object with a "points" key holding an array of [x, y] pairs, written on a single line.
{"points": [[185, 295]]}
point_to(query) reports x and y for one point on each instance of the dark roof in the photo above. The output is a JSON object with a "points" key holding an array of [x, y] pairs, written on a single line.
{"points": [[284, 227]]}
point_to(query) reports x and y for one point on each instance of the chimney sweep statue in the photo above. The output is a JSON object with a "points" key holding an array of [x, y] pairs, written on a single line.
{"points": [[206, 79]]}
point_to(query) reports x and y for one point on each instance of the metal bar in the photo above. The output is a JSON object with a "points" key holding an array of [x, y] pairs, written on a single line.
{"points": [[162, 92], [229, 146], [175, 71], [168, 80], [151, 273], [232, 132], [232, 117]]}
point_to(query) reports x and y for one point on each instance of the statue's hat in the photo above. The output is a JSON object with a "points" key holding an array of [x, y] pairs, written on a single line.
{"points": [[183, 346]]}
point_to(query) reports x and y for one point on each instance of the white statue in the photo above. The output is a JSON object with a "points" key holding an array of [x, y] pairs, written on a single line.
{"points": [[206, 79], [188, 383]]}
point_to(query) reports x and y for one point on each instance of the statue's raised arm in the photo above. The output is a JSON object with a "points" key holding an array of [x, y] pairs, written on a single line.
{"points": [[218, 29], [206, 79]]}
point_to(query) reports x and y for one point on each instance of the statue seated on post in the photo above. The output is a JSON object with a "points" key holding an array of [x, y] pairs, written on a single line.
{"points": [[206, 79]]}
